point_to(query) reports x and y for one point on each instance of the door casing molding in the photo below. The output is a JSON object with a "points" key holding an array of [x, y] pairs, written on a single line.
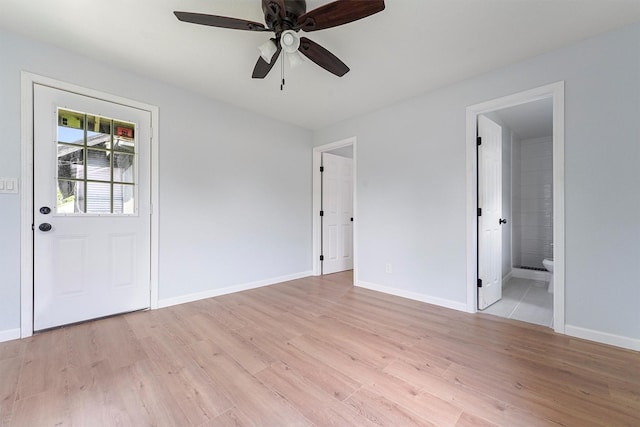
{"points": [[555, 91], [317, 193], [26, 195]]}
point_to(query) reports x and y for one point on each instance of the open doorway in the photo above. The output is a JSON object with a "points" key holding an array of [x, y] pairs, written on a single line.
{"points": [[523, 246], [334, 207], [527, 187]]}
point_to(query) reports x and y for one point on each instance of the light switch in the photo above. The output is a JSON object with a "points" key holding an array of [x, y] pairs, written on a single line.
{"points": [[8, 185]]}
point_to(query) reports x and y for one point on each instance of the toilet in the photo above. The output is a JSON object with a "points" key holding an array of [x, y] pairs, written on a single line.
{"points": [[548, 264]]}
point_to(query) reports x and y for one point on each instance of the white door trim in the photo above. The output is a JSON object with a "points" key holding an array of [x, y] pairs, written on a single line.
{"points": [[556, 92], [26, 195], [317, 179]]}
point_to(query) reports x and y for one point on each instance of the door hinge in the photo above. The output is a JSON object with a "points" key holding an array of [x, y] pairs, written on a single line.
{"points": [[321, 257], [479, 283], [321, 213], [321, 168], [479, 140], [479, 211]]}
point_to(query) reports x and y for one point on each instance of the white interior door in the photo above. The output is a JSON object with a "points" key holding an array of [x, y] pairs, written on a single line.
{"points": [[337, 206], [489, 220], [91, 208]]}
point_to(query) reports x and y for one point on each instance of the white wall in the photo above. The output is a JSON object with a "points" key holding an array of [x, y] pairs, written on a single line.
{"points": [[507, 205], [235, 187], [411, 182]]}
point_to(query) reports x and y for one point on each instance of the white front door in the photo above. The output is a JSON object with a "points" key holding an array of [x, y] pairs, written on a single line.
{"points": [[91, 208], [337, 207], [489, 220]]}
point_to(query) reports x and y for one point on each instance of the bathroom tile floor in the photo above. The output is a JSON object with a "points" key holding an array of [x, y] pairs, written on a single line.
{"points": [[526, 300]]}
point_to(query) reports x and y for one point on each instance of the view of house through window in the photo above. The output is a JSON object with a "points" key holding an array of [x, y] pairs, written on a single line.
{"points": [[96, 164]]}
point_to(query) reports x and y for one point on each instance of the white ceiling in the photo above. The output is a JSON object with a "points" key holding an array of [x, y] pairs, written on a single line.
{"points": [[412, 47]]}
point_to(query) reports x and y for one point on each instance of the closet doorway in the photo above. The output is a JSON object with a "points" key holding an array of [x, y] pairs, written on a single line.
{"points": [[333, 207]]}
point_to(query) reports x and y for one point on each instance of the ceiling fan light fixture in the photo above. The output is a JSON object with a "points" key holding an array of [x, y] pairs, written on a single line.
{"points": [[295, 59], [289, 41], [267, 50]]}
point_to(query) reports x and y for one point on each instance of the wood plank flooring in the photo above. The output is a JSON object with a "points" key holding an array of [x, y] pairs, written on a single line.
{"points": [[314, 352]]}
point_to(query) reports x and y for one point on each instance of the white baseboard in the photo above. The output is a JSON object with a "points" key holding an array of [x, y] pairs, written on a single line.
{"points": [[524, 273], [9, 334], [167, 302], [603, 337], [455, 305], [507, 276]]}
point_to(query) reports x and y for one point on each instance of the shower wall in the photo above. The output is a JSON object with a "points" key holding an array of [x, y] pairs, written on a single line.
{"points": [[532, 192]]}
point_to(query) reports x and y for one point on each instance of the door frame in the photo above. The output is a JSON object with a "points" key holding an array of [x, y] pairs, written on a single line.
{"points": [[316, 203], [555, 91], [26, 195]]}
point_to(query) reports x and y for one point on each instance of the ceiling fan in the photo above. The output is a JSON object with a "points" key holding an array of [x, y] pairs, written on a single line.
{"points": [[286, 18]]}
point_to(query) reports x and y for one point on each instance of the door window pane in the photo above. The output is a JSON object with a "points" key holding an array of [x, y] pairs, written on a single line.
{"points": [[122, 167], [70, 161], [97, 125], [124, 137], [98, 132], [96, 164], [98, 197], [70, 127], [70, 196], [123, 199]]}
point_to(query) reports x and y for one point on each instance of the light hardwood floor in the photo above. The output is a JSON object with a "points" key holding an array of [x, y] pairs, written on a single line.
{"points": [[315, 351]]}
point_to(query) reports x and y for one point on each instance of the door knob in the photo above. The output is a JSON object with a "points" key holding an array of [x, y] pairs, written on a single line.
{"points": [[45, 226], [45, 210], [502, 221]]}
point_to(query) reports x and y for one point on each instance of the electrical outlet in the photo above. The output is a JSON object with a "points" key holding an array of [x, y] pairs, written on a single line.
{"points": [[388, 268]]}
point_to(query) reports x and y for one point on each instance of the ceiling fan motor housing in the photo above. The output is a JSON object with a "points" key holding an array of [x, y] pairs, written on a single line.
{"points": [[293, 10]]}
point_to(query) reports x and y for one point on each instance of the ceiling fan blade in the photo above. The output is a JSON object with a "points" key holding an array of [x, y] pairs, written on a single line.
{"points": [[263, 67], [337, 13], [322, 57], [219, 21]]}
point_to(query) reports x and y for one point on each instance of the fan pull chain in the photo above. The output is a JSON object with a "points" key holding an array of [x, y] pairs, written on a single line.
{"points": [[282, 70]]}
